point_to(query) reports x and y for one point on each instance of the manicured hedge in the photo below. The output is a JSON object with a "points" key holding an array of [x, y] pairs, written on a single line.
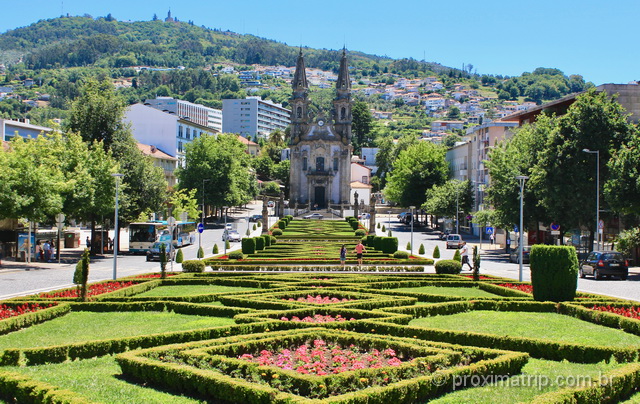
{"points": [[193, 266], [554, 272], [267, 240], [389, 245], [448, 267], [248, 245], [259, 243], [235, 255], [26, 320], [19, 388]]}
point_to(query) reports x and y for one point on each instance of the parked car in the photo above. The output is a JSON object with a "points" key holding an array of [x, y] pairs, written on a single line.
{"points": [[604, 263], [313, 216], [153, 254], [255, 218], [231, 235], [402, 214], [454, 241], [515, 255]]}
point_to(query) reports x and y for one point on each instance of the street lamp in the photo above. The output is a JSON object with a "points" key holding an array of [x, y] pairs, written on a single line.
{"points": [[412, 220], [116, 229], [521, 179], [389, 222], [225, 229], [202, 218], [597, 153]]}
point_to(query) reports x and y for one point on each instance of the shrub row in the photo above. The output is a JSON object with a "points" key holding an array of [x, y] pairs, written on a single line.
{"points": [[26, 320], [448, 267], [19, 388], [193, 266], [537, 348], [260, 267], [448, 308], [90, 349], [612, 320], [613, 387]]}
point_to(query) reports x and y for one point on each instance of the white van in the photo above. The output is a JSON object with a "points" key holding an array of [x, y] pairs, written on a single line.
{"points": [[454, 241]]}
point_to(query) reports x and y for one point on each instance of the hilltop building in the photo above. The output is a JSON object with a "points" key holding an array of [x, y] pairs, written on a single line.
{"points": [[320, 145]]}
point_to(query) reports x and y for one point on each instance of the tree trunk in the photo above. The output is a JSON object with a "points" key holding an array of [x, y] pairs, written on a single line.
{"points": [[93, 236]]}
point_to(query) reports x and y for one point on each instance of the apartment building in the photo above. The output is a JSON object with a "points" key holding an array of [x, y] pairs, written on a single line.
{"points": [[199, 114], [253, 116], [10, 128]]}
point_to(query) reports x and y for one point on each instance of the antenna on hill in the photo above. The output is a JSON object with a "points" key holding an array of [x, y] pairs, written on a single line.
{"points": [[62, 8]]}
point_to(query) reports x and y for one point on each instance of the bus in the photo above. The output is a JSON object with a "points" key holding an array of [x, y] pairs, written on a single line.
{"points": [[143, 235]]}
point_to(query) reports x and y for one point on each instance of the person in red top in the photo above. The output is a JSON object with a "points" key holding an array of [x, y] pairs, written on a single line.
{"points": [[359, 250]]}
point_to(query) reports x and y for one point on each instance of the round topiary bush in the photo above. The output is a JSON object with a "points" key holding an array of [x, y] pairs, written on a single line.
{"points": [[236, 255], [193, 266], [273, 240], [448, 267], [277, 232], [421, 249], [401, 255], [179, 257], [360, 233], [282, 224], [436, 252]]}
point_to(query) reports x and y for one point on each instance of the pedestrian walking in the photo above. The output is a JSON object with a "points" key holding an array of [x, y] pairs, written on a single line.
{"points": [[359, 250], [47, 251], [464, 252], [343, 254], [508, 245], [491, 238], [39, 255], [88, 243]]}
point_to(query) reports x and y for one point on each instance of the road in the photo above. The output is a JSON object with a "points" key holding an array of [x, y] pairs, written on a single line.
{"points": [[20, 281]]}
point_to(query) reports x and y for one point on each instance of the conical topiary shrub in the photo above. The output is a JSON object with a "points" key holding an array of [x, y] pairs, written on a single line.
{"points": [[457, 256], [436, 252], [227, 245], [248, 232], [179, 257], [254, 226], [200, 252], [389, 233], [378, 225], [408, 246], [215, 249], [421, 249], [384, 228]]}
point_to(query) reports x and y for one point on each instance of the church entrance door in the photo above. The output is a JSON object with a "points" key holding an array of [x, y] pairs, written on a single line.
{"points": [[319, 198]]}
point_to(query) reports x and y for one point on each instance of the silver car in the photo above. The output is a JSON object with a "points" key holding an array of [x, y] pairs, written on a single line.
{"points": [[313, 216], [231, 235]]}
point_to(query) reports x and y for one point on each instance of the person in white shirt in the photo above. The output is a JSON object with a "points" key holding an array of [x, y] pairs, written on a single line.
{"points": [[464, 252]]}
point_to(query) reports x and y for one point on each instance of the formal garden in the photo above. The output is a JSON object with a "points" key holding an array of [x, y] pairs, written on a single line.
{"points": [[276, 333]]}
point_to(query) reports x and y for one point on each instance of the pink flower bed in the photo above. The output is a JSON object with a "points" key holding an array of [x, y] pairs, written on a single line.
{"points": [[318, 299], [93, 290], [324, 358], [318, 318]]}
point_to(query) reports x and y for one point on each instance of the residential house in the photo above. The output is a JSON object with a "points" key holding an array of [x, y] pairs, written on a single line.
{"points": [[163, 160], [10, 128]]}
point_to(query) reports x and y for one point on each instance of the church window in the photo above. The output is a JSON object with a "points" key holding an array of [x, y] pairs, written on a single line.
{"points": [[299, 112], [343, 114], [335, 164], [319, 163], [304, 164]]}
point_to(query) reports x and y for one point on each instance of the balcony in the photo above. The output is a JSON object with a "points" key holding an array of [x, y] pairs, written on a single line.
{"points": [[312, 171]]}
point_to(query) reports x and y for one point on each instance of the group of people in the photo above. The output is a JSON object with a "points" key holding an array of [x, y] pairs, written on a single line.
{"points": [[359, 250], [45, 252]]}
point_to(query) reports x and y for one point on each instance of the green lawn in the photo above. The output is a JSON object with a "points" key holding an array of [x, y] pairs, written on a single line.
{"points": [[550, 326], [98, 380], [88, 326], [447, 291], [192, 290], [538, 377]]}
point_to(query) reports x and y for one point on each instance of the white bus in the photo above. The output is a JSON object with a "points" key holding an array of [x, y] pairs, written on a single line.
{"points": [[143, 235]]}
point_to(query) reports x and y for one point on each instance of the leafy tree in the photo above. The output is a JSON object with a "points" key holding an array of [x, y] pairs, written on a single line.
{"points": [[442, 200], [509, 159], [223, 161], [264, 165], [281, 174], [361, 127], [622, 189], [184, 200], [562, 174], [417, 169]]}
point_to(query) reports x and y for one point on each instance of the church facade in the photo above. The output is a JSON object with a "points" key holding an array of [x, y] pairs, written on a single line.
{"points": [[320, 145]]}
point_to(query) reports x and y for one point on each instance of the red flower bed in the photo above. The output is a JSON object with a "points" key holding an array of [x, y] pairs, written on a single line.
{"points": [[631, 312], [94, 290], [521, 288], [8, 311], [318, 299], [150, 276], [318, 318], [324, 358]]}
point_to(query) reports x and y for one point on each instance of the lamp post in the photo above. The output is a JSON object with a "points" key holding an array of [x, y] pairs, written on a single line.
{"points": [[412, 220], [116, 229], [202, 218], [521, 179], [457, 210], [225, 228], [597, 153], [389, 221]]}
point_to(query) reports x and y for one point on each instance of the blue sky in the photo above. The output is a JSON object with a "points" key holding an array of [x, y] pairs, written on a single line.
{"points": [[594, 38]]}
